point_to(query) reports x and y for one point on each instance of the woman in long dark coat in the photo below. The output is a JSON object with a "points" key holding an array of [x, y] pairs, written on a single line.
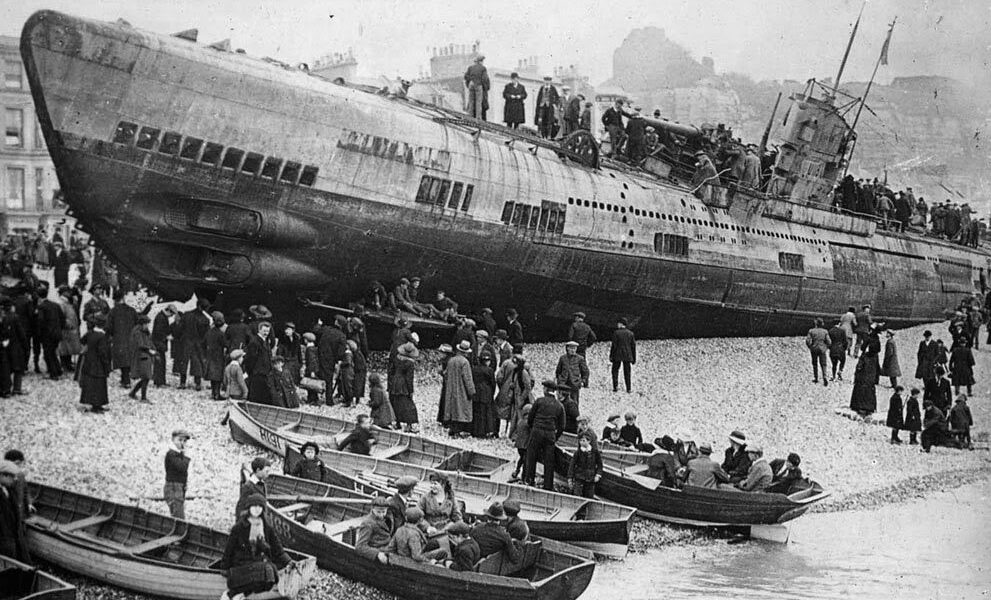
{"points": [[14, 330], [250, 541], [926, 357], [895, 420], [514, 111], [142, 357], [484, 420], [216, 354], [890, 368], [864, 398], [962, 367], [96, 366], [401, 388], [120, 322]]}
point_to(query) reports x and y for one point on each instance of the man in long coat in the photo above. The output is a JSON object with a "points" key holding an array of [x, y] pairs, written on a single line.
{"points": [[926, 357], [890, 367], [258, 364], [622, 352], [459, 390], [572, 112], [863, 400], [161, 329], [13, 332], [514, 111], [580, 332], [120, 322], [704, 177], [195, 325], [477, 82], [548, 101], [50, 320], [572, 370], [332, 343]]}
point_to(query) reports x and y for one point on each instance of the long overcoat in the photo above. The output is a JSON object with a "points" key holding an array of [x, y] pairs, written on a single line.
{"points": [[120, 322], [70, 344], [459, 390], [142, 359], [215, 344], [926, 357], [18, 348], [95, 368], [514, 110], [962, 365], [890, 367], [195, 326], [895, 420], [865, 378]]}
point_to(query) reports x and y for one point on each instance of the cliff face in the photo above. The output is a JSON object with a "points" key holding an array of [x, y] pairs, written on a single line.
{"points": [[927, 132]]}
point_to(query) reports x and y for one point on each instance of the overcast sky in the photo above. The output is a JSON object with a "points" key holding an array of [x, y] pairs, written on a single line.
{"points": [[766, 39]]}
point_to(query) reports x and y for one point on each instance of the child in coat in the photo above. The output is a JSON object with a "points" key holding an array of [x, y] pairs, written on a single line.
{"points": [[630, 432], [522, 439], [234, 380], [585, 469], [895, 420], [961, 421], [310, 365], [913, 416], [382, 414]]}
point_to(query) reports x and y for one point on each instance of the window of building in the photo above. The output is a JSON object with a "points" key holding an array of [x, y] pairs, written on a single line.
{"points": [[271, 168], [435, 191], [39, 189], [147, 138], [456, 191], [469, 192], [291, 172], [676, 245], [445, 190], [125, 133], [39, 138], [12, 77], [791, 262], [534, 218], [191, 148], [518, 213], [309, 176], [507, 212], [232, 158], [14, 129], [423, 192], [170, 143], [252, 162], [211, 154], [15, 187]]}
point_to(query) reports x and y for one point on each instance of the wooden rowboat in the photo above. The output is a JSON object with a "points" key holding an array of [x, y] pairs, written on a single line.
{"points": [[548, 570], [138, 550], [276, 428], [19, 581], [602, 527], [624, 480]]}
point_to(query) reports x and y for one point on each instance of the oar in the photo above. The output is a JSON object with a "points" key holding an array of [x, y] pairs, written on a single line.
{"points": [[316, 499]]}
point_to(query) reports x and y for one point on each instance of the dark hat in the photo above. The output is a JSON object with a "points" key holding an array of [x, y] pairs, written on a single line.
{"points": [[260, 462], [255, 500], [512, 313], [738, 437], [549, 384], [182, 433], [374, 379], [203, 304], [459, 528], [705, 448], [260, 311], [514, 74], [290, 325], [316, 448], [380, 501], [406, 483], [142, 319], [97, 287], [927, 333], [495, 511], [794, 459], [547, 77], [170, 309], [623, 321], [512, 507], [413, 515], [281, 360]]}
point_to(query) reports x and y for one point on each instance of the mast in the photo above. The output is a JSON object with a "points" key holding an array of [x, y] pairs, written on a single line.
{"points": [[882, 59], [846, 54], [767, 130]]}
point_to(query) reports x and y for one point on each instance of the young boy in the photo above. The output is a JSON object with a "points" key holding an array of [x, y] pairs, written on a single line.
{"points": [[464, 549], [515, 526], [895, 420], [585, 469], [360, 440], [961, 421], [586, 429], [234, 380], [382, 414], [177, 474], [611, 423], [280, 387], [630, 432], [522, 438], [310, 365], [310, 467], [913, 416], [615, 440]]}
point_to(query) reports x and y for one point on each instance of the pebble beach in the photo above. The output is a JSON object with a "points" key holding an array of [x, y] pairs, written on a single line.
{"points": [[699, 389]]}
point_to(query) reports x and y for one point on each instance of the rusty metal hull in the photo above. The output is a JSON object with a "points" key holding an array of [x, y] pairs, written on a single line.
{"points": [[362, 218]]}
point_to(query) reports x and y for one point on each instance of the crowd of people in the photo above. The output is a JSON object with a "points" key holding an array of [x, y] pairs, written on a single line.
{"points": [[944, 418]]}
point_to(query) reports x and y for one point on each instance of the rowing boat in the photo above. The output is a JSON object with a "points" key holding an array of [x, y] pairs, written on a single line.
{"points": [[139, 550], [625, 480], [276, 429], [19, 581], [602, 527], [327, 529]]}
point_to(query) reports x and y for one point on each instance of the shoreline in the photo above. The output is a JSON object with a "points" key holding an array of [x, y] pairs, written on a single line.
{"points": [[708, 387]]}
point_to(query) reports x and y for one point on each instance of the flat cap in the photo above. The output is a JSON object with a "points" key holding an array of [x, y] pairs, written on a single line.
{"points": [[459, 528], [9, 468], [182, 433], [406, 483]]}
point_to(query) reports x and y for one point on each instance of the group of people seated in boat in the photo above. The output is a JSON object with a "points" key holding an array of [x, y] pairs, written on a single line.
{"points": [[433, 529]]}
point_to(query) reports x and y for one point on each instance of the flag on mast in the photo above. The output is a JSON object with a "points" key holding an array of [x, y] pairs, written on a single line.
{"points": [[887, 42]]}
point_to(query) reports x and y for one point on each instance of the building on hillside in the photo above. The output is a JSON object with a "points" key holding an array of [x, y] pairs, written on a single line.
{"points": [[444, 86], [337, 64], [28, 184]]}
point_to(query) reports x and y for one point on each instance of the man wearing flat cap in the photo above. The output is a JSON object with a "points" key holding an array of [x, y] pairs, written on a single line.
{"points": [[177, 474], [97, 303], [374, 532], [572, 370], [546, 421], [547, 104], [581, 332], [477, 84], [401, 500]]}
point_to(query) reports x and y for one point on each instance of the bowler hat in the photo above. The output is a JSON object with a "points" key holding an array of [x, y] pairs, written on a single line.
{"points": [[495, 511]]}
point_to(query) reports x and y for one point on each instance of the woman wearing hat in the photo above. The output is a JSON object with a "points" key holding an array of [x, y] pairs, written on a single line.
{"points": [[96, 366], [515, 391], [401, 388], [252, 546], [120, 321], [439, 505], [14, 330], [459, 390], [215, 354], [143, 357], [863, 400], [234, 379]]}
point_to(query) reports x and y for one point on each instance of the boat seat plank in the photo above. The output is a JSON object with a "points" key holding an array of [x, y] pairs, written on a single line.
{"points": [[153, 544], [294, 507], [392, 452], [342, 527], [83, 523]]}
